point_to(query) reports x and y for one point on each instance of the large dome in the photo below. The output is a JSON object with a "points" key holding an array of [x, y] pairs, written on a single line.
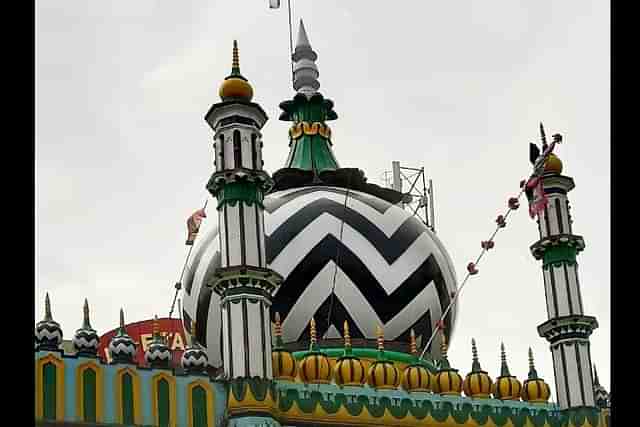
{"points": [[391, 270]]}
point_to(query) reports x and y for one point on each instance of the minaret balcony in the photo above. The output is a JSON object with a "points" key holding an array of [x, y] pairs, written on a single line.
{"points": [[539, 248], [245, 279], [566, 327]]}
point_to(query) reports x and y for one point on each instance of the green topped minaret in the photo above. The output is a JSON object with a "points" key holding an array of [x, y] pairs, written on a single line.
{"points": [[309, 136]]}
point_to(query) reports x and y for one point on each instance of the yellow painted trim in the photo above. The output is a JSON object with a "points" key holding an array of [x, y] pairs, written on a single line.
{"points": [[59, 364], [99, 390], [210, 406], [137, 406], [172, 398]]}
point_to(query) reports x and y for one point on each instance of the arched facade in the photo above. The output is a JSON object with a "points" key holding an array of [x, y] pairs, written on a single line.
{"points": [[90, 392]]}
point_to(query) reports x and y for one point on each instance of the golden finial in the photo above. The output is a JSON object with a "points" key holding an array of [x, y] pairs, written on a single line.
{"points": [[347, 337], [380, 334], [278, 326], [443, 344], [314, 338], [156, 326], [235, 66], [531, 359], [412, 343]]}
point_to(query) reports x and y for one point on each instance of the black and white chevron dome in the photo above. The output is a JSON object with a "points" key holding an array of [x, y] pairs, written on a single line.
{"points": [[194, 359], [48, 335], [122, 348], [391, 269], [158, 354], [86, 341]]}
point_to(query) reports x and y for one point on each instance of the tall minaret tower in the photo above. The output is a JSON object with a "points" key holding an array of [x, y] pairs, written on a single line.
{"points": [[567, 328], [243, 281]]}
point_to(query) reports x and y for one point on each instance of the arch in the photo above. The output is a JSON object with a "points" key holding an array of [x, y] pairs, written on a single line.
{"points": [[254, 151], [237, 149], [158, 389], [122, 383], [210, 408], [55, 372], [82, 400]]}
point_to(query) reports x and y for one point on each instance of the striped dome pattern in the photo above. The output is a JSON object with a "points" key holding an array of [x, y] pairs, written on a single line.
{"points": [[391, 269]]}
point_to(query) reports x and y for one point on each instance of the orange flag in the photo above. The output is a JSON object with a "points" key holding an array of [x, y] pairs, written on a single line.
{"points": [[193, 225]]}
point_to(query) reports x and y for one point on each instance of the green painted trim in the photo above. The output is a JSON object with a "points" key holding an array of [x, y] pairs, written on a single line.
{"points": [[127, 399], [246, 192], [559, 254], [89, 395], [163, 403], [371, 353], [49, 391], [199, 405]]}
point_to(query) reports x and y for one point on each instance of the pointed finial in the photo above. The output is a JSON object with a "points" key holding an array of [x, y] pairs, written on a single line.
{"points": [[156, 327], [86, 323], [235, 65], [303, 39], [543, 136], [380, 334], [533, 374], [504, 370], [47, 307], [596, 382], [413, 346], [305, 71], [444, 361], [314, 338], [278, 326], [347, 337], [475, 367]]}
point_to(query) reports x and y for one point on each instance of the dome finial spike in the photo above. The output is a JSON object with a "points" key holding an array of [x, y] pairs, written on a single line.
{"points": [[235, 65], [596, 382], [533, 374], [347, 336], [86, 324], [444, 361], [47, 307], [156, 327], [305, 70], [412, 343], [475, 367], [543, 136], [504, 369], [278, 325], [380, 333], [303, 39], [313, 333]]}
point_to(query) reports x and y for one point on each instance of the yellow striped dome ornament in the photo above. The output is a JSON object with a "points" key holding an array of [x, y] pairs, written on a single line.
{"points": [[534, 389], [315, 366], [235, 86], [416, 377], [383, 374], [448, 381], [349, 370], [284, 364], [506, 387], [477, 384]]}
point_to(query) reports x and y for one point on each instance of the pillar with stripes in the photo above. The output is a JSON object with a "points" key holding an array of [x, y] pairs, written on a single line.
{"points": [[244, 283], [567, 328]]}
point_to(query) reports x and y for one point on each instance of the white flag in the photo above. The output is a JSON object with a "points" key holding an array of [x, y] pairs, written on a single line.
{"points": [[274, 4]]}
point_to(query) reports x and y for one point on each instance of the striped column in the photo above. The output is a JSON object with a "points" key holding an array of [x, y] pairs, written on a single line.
{"points": [[567, 328]]}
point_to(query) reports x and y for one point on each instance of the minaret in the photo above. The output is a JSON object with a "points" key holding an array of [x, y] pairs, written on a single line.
{"points": [[239, 183], [309, 136], [567, 328]]}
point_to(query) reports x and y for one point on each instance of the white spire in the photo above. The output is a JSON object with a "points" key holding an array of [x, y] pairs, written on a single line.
{"points": [[305, 71]]}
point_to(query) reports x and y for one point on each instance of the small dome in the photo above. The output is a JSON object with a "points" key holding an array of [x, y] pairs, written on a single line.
{"points": [[383, 373], [448, 381], [416, 377], [48, 332], [349, 369], [122, 347], [158, 354], [534, 389], [235, 86], [284, 364], [86, 339], [477, 383], [553, 164], [506, 387], [194, 359], [315, 366]]}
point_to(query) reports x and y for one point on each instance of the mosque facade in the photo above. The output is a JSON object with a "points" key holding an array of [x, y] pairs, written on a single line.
{"points": [[289, 322]]}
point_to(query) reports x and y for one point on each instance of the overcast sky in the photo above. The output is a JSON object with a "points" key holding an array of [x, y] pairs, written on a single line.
{"points": [[123, 152]]}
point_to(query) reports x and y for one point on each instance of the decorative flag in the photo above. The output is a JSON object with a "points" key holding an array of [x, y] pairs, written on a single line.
{"points": [[193, 225], [539, 199], [274, 4]]}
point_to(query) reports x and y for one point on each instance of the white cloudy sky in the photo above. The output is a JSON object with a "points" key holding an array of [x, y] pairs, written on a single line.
{"points": [[123, 152]]}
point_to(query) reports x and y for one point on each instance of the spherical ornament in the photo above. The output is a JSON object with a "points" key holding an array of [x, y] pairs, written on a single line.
{"points": [[285, 366], [349, 370], [194, 359], [383, 375], [86, 339], [553, 164], [48, 333], [477, 385], [448, 382], [535, 391], [391, 268], [122, 347], [315, 368], [235, 88], [158, 354], [506, 388], [417, 378]]}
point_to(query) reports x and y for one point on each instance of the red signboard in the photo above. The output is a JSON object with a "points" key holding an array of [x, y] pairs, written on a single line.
{"points": [[142, 334]]}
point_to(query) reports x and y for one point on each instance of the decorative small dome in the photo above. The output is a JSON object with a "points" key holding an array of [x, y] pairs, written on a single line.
{"points": [[158, 354], [534, 389], [284, 364], [477, 383], [553, 164], [349, 370], [194, 358], [416, 377], [506, 387], [383, 373], [602, 398], [86, 339], [448, 381], [48, 333], [235, 86], [121, 346], [315, 366]]}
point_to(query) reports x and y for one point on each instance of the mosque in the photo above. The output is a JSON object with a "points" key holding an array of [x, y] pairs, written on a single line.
{"points": [[289, 322]]}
